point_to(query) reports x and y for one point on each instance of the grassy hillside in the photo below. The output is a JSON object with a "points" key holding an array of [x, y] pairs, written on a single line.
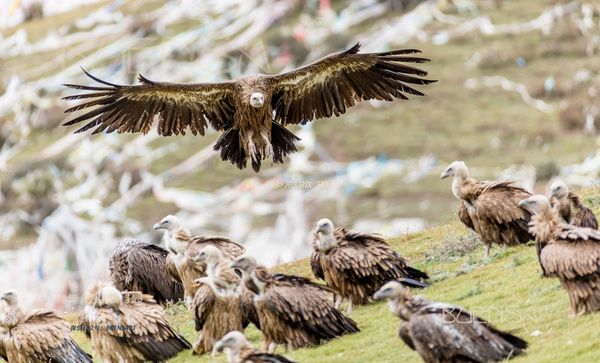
{"points": [[505, 289]]}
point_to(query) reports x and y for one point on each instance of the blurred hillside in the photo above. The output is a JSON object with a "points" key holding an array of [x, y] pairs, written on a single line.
{"points": [[517, 97]]}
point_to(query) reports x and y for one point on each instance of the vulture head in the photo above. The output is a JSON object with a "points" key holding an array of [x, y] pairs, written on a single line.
{"points": [[11, 297], [209, 255], [559, 190], [257, 100], [399, 299], [536, 204], [457, 169], [244, 263], [103, 294], [234, 340], [169, 223], [325, 240]]}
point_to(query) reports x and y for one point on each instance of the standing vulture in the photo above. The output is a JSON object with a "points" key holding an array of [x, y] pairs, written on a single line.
{"points": [[490, 208], [252, 111], [240, 350], [131, 328], [214, 315], [36, 335], [291, 310], [356, 264], [442, 332], [140, 266], [570, 208], [568, 252], [183, 249]]}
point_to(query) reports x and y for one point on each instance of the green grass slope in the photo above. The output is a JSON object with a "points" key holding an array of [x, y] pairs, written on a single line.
{"points": [[505, 289]]}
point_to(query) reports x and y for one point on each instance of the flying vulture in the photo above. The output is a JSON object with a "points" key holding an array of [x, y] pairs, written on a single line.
{"points": [[215, 314], [357, 264], [442, 332], [570, 208], [128, 326], [36, 335], [490, 208], [568, 252], [183, 249], [252, 111], [291, 310], [240, 350], [140, 266]]}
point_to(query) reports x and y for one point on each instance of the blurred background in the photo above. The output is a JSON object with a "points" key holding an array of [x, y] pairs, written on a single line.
{"points": [[517, 97]]}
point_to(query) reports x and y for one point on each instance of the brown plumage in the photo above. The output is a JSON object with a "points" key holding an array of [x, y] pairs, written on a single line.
{"points": [[128, 327], [240, 350], [183, 249], [357, 264], [252, 111], [36, 335], [292, 310], [215, 315], [570, 208], [446, 333], [140, 266], [490, 208], [568, 252], [224, 280]]}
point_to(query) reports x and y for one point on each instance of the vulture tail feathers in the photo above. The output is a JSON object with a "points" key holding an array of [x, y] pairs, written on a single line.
{"points": [[406, 281], [229, 144], [413, 273], [282, 140]]}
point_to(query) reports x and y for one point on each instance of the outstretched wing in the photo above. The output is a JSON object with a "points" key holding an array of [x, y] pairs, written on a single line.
{"points": [[178, 106], [332, 84]]}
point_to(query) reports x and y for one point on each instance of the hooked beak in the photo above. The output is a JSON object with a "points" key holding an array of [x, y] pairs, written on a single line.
{"points": [[218, 347], [158, 226], [198, 258], [523, 203], [378, 295], [445, 174]]}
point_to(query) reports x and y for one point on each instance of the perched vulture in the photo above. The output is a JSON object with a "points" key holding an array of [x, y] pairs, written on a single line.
{"points": [[292, 310], [128, 327], [222, 277], [356, 264], [490, 208], [36, 335], [183, 249], [240, 350], [252, 111], [570, 208], [442, 332], [568, 252], [215, 315], [140, 266]]}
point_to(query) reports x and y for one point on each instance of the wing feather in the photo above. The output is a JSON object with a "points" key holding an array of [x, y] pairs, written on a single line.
{"points": [[312, 91], [177, 106]]}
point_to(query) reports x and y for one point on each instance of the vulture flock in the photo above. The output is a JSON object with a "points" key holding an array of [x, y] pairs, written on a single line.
{"points": [[225, 288]]}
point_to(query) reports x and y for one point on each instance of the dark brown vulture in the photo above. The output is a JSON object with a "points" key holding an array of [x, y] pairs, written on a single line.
{"points": [[240, 350], [36, 335], [252, 111], [356, 264], [570, 208], [443, 333], [140, 266], [215, 314], [568, 252], [490, 208], [183, 249], [128, 327], [292, 310]]}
